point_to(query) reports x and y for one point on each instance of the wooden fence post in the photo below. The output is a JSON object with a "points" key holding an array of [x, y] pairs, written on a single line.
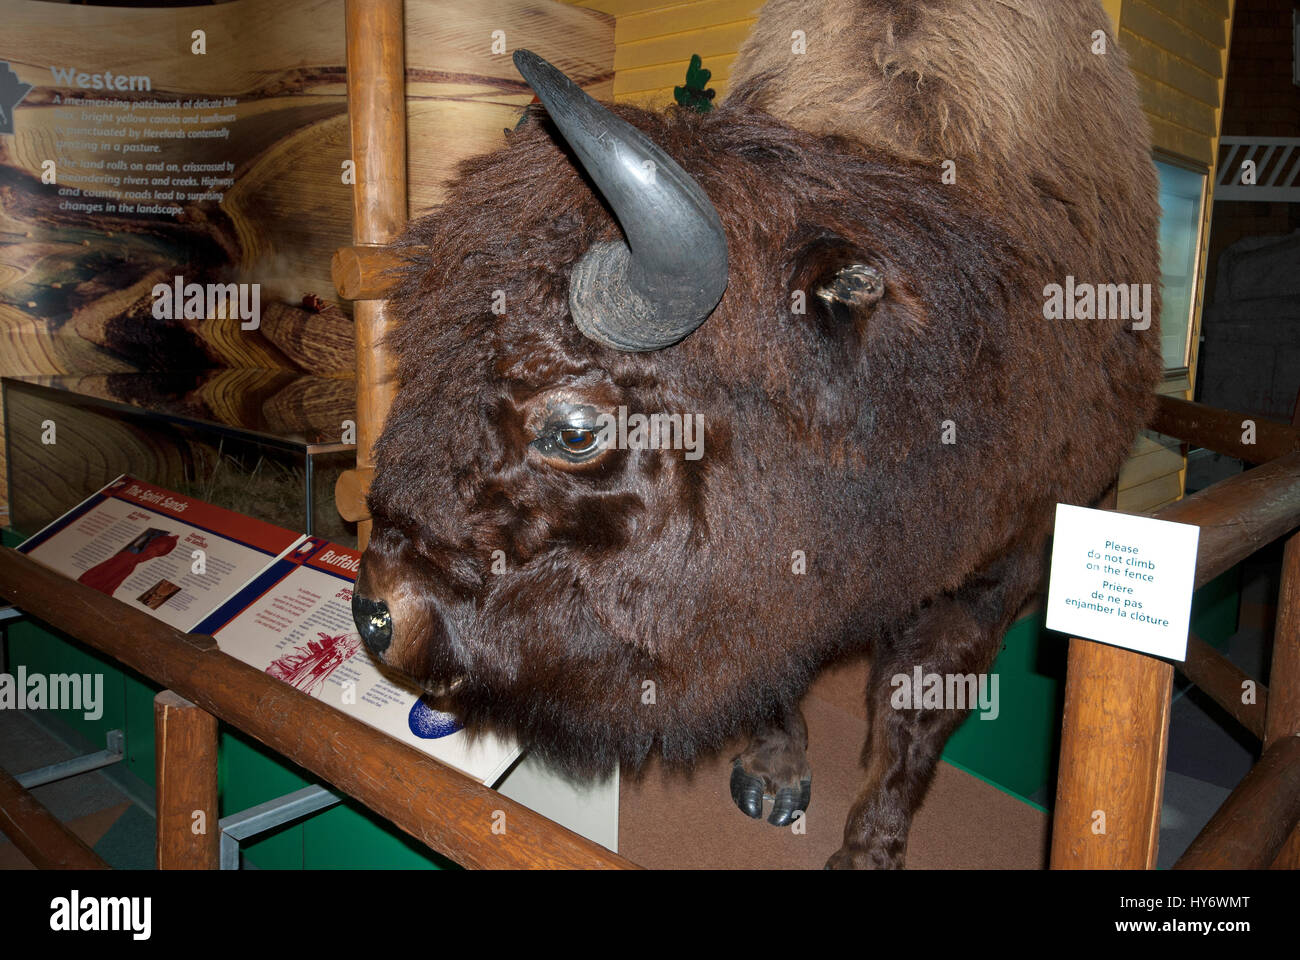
{"points": [[1114, 741], [1283, 716], [186, 766], [377, 113], [1114, 738]]}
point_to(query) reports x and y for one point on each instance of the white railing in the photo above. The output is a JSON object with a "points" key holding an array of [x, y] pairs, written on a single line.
{"points": [[1258, 168]]}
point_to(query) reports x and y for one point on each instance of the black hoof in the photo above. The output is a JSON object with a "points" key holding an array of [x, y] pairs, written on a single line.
{"points": [[747, 791], [788, 803]]}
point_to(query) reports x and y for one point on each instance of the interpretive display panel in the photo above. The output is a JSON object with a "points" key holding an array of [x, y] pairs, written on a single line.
{"points": [[175, 557], [294, 621], [278, 600]]}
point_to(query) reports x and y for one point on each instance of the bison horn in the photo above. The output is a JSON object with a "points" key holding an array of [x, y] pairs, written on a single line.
{"points": [[653, 290]]}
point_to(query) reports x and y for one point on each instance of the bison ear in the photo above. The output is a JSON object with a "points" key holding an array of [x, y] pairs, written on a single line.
{"points": [[841, 283], [855, 285]]}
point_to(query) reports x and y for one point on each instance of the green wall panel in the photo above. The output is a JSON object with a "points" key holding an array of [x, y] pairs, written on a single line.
{"points": [[43, 652], [351, 837], [1016, 750], [139, 693]]}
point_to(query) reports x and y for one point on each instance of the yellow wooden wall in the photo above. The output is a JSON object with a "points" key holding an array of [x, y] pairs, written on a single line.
{"points": [[654, 40], [1178, 50]]}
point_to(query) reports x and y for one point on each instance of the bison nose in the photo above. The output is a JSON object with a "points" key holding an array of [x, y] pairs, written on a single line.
{"points": [[374, 623]]}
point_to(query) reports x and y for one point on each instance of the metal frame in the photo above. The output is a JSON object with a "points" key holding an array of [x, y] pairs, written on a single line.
{"points": [[241, 826], [115, 753]]}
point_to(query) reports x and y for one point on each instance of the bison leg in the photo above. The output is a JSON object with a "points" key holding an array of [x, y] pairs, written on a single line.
{"points": [[775, 767], [958, 634]]}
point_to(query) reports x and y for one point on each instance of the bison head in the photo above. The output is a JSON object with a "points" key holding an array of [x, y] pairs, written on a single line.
{"points": [[869, 362]]}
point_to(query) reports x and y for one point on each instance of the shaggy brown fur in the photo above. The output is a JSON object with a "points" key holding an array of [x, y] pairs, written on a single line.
{"points": [[823, 429]]}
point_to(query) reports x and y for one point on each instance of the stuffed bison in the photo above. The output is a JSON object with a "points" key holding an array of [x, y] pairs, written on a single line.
{"points": [[691, 405]]}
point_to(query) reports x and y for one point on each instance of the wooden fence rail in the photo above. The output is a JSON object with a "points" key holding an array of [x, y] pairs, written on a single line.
{"points": [[1255, 821], [439, 806], [1223, 430], [1115, 729], [38, 835]]}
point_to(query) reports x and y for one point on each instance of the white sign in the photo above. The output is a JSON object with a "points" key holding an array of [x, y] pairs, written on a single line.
{"points": [[1123, 580]]}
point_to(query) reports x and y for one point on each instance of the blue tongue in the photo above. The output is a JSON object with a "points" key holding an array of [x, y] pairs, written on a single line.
{"points": [[429, 724]]}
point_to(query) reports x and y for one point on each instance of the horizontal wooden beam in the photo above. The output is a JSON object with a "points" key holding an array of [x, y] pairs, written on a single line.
{"points": [[350, 493], [1288, 858], [39, 835], [1255, 822], [1222, 430], [441, 807], [1240, 515], [363, 272], [1225, 683]]}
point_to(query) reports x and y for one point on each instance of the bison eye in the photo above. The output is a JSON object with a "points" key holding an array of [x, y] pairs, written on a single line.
{"points": [[577, 440], [574, 443]]}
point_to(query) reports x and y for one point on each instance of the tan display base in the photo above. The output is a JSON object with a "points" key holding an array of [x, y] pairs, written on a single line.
{"points": [[672, 820]]}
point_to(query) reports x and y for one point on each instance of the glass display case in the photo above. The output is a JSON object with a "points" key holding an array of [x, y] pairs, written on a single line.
{"points": [[268, 444]]}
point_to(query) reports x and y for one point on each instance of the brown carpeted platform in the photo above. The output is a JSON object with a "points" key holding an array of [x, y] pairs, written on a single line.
{"points": [[672, 820]]}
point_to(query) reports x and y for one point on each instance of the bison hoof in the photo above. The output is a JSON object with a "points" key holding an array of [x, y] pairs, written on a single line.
{"points": [[749, 791]]}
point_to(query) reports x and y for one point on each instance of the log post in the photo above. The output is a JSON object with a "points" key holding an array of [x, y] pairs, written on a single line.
{"points": [[186, 767], [1282, 718], [377, 112], [1114, 738], [1114, 741], [1283, 715]]}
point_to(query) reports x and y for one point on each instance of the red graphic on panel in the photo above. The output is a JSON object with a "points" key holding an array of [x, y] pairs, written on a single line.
{"points": [[108, 576], [308, 667]]}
